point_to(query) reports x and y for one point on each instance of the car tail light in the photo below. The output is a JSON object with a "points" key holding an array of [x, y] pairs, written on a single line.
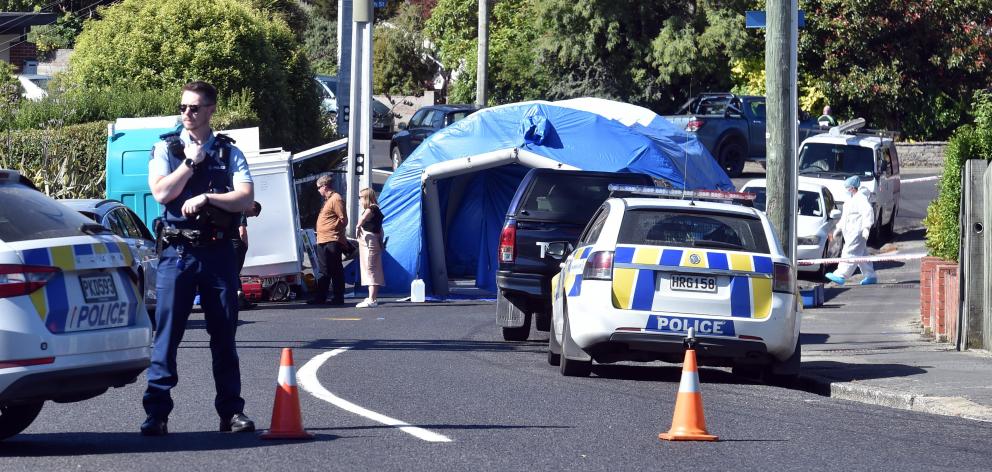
{"points": [[26, 362], [694, 124], [508, 242], [17, 279], [599, 266], [784, 279]]}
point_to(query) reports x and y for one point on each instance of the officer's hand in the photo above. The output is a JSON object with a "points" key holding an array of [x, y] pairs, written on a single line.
{"points": [[865, 232], [193, 205], [195, 152]]}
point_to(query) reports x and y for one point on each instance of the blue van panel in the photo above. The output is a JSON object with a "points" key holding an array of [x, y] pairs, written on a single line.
{"points": [[128, 153]]}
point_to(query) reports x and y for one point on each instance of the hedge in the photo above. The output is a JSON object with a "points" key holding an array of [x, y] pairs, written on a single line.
{"points": [[66, 162], [943, 235]]}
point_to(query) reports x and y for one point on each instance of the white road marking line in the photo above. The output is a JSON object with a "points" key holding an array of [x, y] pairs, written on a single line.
{"points": [[920, 179], [307, 379]]}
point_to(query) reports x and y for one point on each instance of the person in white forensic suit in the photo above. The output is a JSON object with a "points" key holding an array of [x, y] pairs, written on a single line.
{"points": [[855, 224]]}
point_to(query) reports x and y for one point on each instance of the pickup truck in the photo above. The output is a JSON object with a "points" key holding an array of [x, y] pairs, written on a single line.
{"points": [[549, 206], [732, 127]]}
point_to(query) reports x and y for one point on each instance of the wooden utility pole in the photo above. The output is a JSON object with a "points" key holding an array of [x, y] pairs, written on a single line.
{"points": [[782, 108], [483, 54]]}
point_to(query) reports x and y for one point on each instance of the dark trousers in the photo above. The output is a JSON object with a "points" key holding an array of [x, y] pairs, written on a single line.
{"points": [[240, 251], [182, 270], [331, 271]]}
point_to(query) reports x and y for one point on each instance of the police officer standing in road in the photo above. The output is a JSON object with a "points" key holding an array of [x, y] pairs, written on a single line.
{"points": [[203, 182]]}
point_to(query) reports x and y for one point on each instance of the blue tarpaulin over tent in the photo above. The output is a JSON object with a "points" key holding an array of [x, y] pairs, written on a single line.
{"points": [[589, 134]]}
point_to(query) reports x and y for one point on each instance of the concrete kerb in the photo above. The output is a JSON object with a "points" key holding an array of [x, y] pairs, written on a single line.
{"points": [[872, 395]]}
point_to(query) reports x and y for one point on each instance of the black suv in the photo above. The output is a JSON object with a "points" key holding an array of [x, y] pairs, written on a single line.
{"points": [[549, 206], [425, 122]]}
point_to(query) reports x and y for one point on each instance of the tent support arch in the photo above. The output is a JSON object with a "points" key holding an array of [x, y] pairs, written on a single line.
{"points": [[456, 167]]}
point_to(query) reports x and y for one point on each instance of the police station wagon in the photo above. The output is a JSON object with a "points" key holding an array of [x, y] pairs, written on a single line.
{"points": [[73, 321], [654, 263]]}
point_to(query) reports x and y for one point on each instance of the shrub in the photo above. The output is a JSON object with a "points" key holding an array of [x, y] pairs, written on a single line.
{"points": [[163, 44], [943, 236], [64, 162]]}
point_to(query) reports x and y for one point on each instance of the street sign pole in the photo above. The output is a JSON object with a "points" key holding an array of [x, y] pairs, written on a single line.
{"points": [[483, 55], [360, 109]]}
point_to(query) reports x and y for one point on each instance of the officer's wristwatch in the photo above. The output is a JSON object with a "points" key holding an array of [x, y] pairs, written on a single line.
{"points": [[189, 163]]}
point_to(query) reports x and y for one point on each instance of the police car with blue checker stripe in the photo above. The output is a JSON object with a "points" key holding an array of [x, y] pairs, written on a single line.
{"points": [[72, 319], [646, 270]]}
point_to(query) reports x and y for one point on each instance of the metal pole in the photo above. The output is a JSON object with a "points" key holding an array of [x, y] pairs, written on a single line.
{"points": [[782, 107], [483, 55], [360, 109]]}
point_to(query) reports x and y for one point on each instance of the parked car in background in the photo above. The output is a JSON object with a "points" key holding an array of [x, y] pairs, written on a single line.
{"points": [[72, 324], [549, 206], [425, 122], [382, 115], [830, 158], [817, 219], [123, 222]]}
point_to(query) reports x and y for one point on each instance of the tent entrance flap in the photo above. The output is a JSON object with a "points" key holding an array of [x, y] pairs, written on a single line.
{"points": [[455, 167]]}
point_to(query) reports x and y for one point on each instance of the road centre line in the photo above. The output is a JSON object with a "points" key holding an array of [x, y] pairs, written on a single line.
{"points": [[307, 379]]}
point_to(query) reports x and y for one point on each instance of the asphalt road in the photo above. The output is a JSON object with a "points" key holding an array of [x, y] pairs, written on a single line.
{"points": [[473, 402]]}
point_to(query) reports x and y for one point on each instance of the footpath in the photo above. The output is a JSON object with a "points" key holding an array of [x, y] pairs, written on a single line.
{"points": [[865, 344]]}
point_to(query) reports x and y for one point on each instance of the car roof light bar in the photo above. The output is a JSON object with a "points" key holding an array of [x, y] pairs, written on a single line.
{"points": [[662, 192]]}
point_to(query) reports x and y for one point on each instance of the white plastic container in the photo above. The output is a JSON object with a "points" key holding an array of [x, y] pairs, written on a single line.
{"points": [[417, 291]]}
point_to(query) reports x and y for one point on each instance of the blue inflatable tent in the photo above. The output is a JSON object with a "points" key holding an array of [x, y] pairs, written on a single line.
{"points": [[444, 207]]}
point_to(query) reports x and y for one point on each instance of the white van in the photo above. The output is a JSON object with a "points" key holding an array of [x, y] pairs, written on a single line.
{"points": [[830, 158]]}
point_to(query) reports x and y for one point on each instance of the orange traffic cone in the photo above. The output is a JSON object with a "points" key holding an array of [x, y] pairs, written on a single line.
{"points": [[286, 421], [688, 423]]}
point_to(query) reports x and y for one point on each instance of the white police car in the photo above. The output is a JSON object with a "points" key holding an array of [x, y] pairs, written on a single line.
{"points": [[73, 322], [645, 270]]}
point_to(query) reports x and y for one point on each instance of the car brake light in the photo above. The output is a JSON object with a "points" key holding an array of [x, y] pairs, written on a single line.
{"points": [[784, 279], [599, 266], [694, 124], [508, 242], [26, 362], [17, 279]]}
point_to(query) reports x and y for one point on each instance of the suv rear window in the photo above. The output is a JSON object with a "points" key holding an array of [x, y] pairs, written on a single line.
{"points": [[840, 159], [27, 214], [809, 202], [571, 198], [663, 227]]}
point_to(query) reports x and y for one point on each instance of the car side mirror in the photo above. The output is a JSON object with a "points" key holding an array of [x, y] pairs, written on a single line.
{"points": [[402, 125], [834, 214], [559, 249]]}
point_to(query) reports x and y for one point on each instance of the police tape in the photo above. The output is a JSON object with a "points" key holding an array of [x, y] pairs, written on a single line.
{"points": [[921, 179], [855, 260]]}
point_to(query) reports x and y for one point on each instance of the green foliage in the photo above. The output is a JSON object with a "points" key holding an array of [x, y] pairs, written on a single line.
{"points": [[61, 34], [321, 45], [21, 5], [10, 94], [910, 66], [163, 44], [515, 72], [64, 162], [402, 65], [942, 222]]}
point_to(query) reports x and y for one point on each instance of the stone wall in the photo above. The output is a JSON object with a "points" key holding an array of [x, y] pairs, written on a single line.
{"points": [[925, 154]]}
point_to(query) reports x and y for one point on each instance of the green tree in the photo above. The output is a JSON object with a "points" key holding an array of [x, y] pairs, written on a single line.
{"points": [[321, 45], [911, 66], [401, 62], [515, 71], [655, 54], [163, 44]]}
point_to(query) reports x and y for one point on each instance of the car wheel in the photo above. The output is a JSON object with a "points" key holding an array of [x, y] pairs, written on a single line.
{"points": [[507, 310], [279, 291], [889, 229], [732, 158], [574, 361], [542, 320], [554, 349], [396, 157], [16, 418], [785, 373], [822, 271]]}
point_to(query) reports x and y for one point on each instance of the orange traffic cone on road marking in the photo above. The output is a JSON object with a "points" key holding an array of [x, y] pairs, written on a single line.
{"points": [[688, 423], [286, 420]]}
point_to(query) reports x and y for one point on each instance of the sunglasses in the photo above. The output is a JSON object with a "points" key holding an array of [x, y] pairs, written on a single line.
{"points": [[194, 109]]}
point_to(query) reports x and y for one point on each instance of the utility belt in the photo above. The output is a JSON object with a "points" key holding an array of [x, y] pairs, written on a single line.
{"points": [[172, 236]]}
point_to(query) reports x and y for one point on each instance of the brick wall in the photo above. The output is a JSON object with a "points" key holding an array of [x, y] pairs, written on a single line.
{"points": [[925, 154], [22, 52]]}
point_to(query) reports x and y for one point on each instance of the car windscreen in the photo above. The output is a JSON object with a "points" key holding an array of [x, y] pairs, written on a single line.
{"points": [[809, 202], [695, 229], [27, 214], [836, 160], [571, 198]]}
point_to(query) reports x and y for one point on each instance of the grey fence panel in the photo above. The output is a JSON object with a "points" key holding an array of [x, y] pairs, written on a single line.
{"points": [[971, 267], [986, 324]]}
